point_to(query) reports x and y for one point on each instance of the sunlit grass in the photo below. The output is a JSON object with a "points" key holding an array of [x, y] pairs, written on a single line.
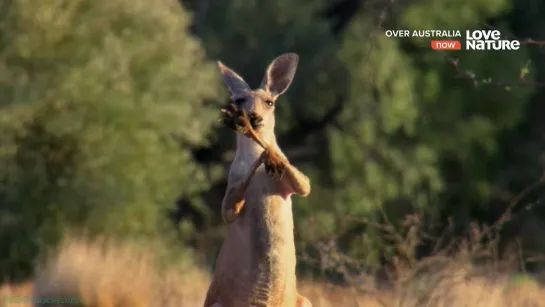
{"points": [[107, 274]]}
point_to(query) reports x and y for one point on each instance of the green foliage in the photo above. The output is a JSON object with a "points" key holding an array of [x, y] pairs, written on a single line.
{"points": [[406, 116], [444, 14], [97, 96]]}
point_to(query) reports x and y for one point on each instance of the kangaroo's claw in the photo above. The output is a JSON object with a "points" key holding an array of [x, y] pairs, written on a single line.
{"points": [[256, 121], [236, 119], [274, 165]]}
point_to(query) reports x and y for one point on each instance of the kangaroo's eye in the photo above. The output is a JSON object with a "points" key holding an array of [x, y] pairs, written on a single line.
{"points": [[270, 103]]}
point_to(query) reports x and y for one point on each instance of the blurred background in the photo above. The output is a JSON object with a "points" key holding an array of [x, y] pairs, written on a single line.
{"points": [[108, 128]]}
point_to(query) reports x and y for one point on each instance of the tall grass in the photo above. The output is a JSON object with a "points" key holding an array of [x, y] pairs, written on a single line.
{"points": [[112, 274]]}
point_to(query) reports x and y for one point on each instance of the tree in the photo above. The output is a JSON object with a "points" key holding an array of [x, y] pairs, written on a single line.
{"points": [[411, 135], [101, 103]]}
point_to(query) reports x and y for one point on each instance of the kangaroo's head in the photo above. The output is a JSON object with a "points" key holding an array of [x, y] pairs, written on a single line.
{"points": [[262, 100]]}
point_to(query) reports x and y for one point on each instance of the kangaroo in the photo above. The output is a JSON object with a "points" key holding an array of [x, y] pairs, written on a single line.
{"points": [[256, 263]]}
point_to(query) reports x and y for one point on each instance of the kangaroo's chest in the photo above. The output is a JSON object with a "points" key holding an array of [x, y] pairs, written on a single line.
{"points": [[268, 213]]}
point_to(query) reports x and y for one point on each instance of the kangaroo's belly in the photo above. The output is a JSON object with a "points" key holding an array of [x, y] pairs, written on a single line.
{"points": [[256, 265], [271, 286], [267, 281]]}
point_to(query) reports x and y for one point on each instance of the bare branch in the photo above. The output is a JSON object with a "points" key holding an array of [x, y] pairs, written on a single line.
{"points": [[531, 42], [466, 74]]}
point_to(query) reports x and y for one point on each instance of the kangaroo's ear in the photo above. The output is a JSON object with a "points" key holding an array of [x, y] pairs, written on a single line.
{"points": [[232, 80], [280, 73]]}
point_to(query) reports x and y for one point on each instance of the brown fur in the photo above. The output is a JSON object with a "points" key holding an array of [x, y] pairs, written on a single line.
{"points": [[256, 264]]}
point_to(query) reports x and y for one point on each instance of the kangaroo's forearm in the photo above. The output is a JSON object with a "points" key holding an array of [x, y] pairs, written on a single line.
{"points": [[296, 180], [233, 202], [252, 134]]}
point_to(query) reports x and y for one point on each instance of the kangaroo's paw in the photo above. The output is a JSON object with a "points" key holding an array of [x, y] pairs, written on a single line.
{"points": [[237, 119], [302, 301], [275, 165], [230, 215], [232, 204]]}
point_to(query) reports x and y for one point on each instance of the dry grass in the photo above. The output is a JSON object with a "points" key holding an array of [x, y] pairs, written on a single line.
{"points": [[474, 293], [109, 274], [105, 274]]}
